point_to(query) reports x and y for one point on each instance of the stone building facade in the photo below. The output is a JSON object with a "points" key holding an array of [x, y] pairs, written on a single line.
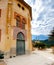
{"points": [[15, 27]]}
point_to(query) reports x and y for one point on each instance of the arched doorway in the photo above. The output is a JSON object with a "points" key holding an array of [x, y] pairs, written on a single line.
{"points": [[20, 44]]}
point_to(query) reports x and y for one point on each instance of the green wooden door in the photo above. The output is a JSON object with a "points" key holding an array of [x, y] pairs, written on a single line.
{"points": [[20, 45]]}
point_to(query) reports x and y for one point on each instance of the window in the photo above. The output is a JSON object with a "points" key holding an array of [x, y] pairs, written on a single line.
{"points": [[19, 5], [20, 36], [23, 24], [23, 8], [18, 21], [0, 34], [0, 12]]}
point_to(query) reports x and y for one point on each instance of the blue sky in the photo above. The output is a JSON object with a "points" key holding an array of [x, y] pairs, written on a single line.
{"points": [[42, 16]]}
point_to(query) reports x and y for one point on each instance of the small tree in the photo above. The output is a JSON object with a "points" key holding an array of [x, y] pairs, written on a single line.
{"points": [[51, 39], [40, 45]]}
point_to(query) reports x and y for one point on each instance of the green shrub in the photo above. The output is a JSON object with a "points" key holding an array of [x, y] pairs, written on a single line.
{"points": [[40, 45], [1, 56]]}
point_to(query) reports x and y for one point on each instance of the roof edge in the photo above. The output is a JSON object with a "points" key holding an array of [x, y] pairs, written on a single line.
{"points": [[27, 6]]}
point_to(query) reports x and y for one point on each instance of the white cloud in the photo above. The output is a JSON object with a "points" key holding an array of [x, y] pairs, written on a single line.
{"points": [[43, 16]]}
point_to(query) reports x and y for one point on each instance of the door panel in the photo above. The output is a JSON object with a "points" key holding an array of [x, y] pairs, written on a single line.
{"points": [[20, 47]]}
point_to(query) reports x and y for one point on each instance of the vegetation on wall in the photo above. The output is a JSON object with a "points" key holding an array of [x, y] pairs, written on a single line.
{"points": [[1, 55]]}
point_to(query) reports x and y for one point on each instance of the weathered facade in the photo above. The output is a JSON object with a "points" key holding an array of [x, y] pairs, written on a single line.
{"points": [[15, 28]]}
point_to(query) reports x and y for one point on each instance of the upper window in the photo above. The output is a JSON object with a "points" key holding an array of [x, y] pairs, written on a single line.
{"points": [[19, 5], [23, 8], [0, 12], [23, 24], [18, 21]]}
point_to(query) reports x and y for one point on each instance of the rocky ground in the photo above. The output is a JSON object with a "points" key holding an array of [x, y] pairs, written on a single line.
{"points": [[37, 57]]}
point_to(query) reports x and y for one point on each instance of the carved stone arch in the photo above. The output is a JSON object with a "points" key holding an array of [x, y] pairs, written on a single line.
{"points": [[20, 36]]}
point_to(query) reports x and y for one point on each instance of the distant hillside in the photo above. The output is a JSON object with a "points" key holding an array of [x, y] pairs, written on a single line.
{"points": [[49, 43], [39, 37]]}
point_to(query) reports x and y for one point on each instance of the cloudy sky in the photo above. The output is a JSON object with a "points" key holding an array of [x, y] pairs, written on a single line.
{"points": [[43, 16]]}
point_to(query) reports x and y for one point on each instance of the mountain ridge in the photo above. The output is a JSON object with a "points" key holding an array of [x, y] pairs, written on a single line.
{"points": [[39, 37]]}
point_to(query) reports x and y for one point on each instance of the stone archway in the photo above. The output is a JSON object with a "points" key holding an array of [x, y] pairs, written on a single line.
{"points": [[20, 44]]}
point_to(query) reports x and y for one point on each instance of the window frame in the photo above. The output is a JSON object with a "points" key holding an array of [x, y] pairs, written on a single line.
{"points": [[23, 23], [19, 5], [18, 21], [23, 8]]}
